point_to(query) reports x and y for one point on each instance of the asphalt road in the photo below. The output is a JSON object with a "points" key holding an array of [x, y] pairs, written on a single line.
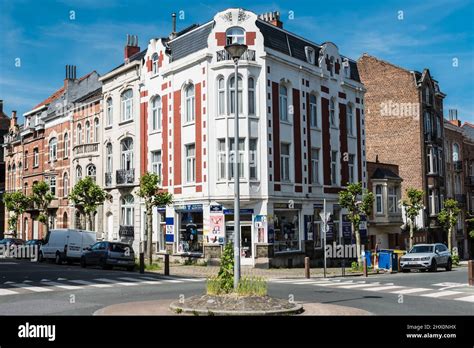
{"points": [[45, 289]]}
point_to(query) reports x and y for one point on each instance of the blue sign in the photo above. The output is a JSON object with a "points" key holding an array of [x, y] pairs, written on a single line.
{"points": [[242, 211], [330, 232], [318, 205], [215, 208], [346, 227], [189, 207]]}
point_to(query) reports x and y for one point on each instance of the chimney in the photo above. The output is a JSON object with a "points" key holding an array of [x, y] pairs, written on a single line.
{"points": [[131, 47], [13, 120], [272, 18], [173, 31], [1, 107], [453, 117], [70, 74]]}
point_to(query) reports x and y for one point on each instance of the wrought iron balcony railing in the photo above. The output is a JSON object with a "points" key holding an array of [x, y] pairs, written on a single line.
{"points": [[86, 148], [126, 231], [457, 165], [125, 177], [224, 55]]}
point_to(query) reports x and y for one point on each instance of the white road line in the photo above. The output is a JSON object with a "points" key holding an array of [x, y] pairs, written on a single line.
{"points": [[31, 288], [354, 286], [442, 293], [410, 291], [63, 286], [85, 282], [171, 281], [128, 279], [334, 284], [149, 278], [467, 298], [115, 282], [4, 292], [313, 282], [381, 288], [286, 280], [192, 279]]}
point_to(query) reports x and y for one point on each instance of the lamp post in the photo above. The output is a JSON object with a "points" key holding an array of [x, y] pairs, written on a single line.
{"points": [[236, 50]]}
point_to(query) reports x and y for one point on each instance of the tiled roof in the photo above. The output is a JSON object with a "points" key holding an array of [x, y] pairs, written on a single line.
{"points": [[193, 41], [90, 95], [136, 56]]}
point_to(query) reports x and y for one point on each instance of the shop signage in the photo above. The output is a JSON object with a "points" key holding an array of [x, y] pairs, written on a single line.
{"points": [[291, 205], [260, 224], [242, 211], [216, 232], [318, 205], [330, 231], [215, 208], [170, 229], [346, 227], [189, 207]]}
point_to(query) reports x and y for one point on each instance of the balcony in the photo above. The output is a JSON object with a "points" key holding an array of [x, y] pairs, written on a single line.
{"points": [[125, 177], [457, 166], [126, 231], [461, 199], [86, 148], [223, 55], [108, 179], [470, 180]]}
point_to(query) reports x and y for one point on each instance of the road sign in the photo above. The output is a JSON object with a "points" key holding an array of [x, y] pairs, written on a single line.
{"points": [[324, 217]]}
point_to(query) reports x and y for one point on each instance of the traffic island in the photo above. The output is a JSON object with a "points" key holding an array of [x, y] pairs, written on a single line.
{"points": [[233, 304]]}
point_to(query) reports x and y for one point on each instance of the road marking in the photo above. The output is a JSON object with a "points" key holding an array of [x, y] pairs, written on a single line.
{"points": [[130, 279], [4, 292], [63, 286], [192, 279], [353, 286], [410, 291], [115, 282], [171, 281], [467, 298], [313, 282], [442, 293], [381, 288], [334, 284], [31, 288], [85, 282]]}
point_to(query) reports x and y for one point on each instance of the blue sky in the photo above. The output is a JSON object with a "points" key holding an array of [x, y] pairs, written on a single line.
{"points": [[42, 35]]}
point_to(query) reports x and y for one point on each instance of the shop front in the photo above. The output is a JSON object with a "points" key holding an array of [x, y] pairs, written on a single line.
{"points": [[247, 239], [190, 238]]}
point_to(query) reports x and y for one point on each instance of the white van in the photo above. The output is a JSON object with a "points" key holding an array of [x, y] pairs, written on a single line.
{"points": [[66, 245]]}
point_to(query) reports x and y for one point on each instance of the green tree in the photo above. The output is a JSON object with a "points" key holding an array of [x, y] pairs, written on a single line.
{"points": [[358, 203], [448, 217], [413, 204], [16, 203], [41, 198], [153, 196], [226, 270], [86, 197]]}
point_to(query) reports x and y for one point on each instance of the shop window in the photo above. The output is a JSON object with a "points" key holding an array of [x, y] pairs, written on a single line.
{"points": [[287, 236], [317, 237], [190, 232]]}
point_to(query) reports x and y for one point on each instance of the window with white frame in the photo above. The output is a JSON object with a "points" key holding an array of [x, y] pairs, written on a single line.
{"points": [[91, 172], [241, 157], [109, 154], [221, 159], [253, 159], [351, 165], [232, 95], [283, 103], [313, 111], [189, 104], [154, 64], [35, 157], [96, 130], [456, 152], [392, 199], [156, 113], [432, 160], [350, 120], [127, 154], [65, 185], [285, 161], [127, 105], [26, 160], [315, 166], [221, 96], [88, 132], [78, 134], [156, 162], [127, 203], [431, 201], [427, 95], [52, 185], [332, 112], [109, 112], [66, 145], [190, 157], [251, 95], [53, 149], [334, 168], [378, 199], [235, 36]]}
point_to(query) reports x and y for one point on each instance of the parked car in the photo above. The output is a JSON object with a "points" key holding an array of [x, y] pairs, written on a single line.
{"points": [[109, 254], [66, 245], [427, 257], [12, 241], [38, 242]]}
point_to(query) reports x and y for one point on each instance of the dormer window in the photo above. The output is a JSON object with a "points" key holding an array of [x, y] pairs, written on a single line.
{"points": [[154, 64], [310, 54], [346, 67], [331, 66], [235, 36], [427, 95]]}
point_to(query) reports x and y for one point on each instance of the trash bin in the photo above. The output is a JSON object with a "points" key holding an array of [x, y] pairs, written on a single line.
{"points": [[368, 258], [394, 262], [385, 259]]}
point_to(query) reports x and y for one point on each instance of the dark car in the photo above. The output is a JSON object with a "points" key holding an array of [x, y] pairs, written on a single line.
{"points": [[34, 242], [108, 255], [12, 241]]}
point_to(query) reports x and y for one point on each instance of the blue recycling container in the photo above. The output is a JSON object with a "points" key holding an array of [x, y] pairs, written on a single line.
{"points": [[368, 258], [385, 259]]}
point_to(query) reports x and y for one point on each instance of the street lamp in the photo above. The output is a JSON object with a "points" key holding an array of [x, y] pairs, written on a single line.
{"points": [[235, 51]]}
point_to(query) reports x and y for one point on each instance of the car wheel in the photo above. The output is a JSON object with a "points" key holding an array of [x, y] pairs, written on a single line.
{"points": [[449, 265], [131, 268], [40, 257], [58, 260], [434, 266], [83, 262]]}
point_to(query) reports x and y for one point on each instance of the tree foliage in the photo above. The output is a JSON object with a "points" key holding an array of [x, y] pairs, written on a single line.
{"points": [[16, 203], [412, 205], [448, 217], [226, 270], [41, 198]]}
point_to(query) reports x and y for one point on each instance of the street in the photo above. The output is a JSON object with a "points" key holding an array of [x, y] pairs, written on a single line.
{"points": [[28, 288]]}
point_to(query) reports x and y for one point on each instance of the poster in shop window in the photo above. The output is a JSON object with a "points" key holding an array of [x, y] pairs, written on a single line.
{"points": [[260, 225], [216, 233]]}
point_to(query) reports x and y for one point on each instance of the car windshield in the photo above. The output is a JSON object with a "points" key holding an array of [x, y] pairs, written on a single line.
{"points": [[421, 249], [121, 248]]}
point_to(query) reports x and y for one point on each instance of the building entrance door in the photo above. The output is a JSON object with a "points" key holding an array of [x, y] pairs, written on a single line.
{"points": [[246, 252]]}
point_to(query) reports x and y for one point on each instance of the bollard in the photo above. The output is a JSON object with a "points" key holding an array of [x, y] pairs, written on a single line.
{"points": [[364, 264], [470, 272], [167, 264], [306, 267], [142, 263]]}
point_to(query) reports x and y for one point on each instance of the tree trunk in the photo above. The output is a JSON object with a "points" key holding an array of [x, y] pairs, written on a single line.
{"points": [[90, 215], [450, 237], [149, 232], [411, 234], [358, 246]]}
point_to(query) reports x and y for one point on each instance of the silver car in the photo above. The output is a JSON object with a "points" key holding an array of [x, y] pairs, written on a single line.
{"points": [[427, 257]]}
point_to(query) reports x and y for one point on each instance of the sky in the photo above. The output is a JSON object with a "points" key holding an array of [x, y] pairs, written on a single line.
{"points": [[38, 38]]}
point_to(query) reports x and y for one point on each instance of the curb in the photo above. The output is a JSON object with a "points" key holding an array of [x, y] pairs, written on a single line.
{"points": [[296, 310]]}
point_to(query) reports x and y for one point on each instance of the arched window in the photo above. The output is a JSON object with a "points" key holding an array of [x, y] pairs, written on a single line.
{"points": [[25, 228], [313, 111], [25, 188], [221, 96], [127, 105], [331, 66], [79, 134], [332, 112], [427, 95], [65, 185], [235, 36], [189, 103], [251, 95], [109, 112], [350, 120], [127, 154], [283, 103], [156, 113], [379, 199], [232, 95], [456, 152], [53, 149], [65, 222], [66, 145], [127, 210], [96, 130], [91, 171], [154, 65], [14, 177], [88, 132], [108, 164], [78, 173]]}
